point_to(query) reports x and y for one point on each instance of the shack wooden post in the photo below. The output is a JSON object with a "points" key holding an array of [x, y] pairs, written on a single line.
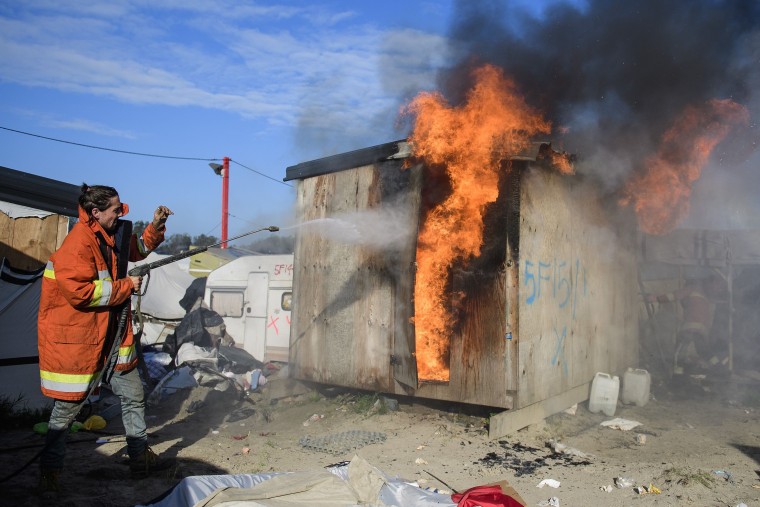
{"points": [[551, 300]]}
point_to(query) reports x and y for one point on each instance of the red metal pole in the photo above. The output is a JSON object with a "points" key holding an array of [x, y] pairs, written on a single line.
{"points": [[225, 196]]}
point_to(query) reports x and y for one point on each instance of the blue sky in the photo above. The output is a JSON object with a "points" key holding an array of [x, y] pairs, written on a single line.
{"points": [[274, 83], [269, 84]]}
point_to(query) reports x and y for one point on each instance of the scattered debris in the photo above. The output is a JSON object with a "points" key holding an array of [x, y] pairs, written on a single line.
{"points": [[552, 483], [420, 461], [513, 455], [313, 418], [647, 490], [623, 482], [607, 488], [641, 439], [561, 448], [552, 502], [620, 424], [724, 474], [112, 438], [340, 443]]}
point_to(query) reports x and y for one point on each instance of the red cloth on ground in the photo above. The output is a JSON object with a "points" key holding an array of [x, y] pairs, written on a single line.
{"points": [[484, 496]]}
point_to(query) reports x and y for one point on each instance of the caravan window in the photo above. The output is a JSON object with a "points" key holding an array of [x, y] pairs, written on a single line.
{"points": [[287, 301], [227, 304]]}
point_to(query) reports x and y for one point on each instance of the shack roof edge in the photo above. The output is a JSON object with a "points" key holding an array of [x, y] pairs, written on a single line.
{"points": [[374, 154], [38, 192]]}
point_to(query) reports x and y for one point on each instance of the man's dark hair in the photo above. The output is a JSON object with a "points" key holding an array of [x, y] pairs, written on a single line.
{"points": [[96, 196]]}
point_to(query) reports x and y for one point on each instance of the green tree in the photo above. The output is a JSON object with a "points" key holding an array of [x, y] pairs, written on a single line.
{"points": [[202, 240], [174, 244], [138, 227]]}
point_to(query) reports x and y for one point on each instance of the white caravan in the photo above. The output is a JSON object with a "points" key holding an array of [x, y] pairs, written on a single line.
{"points": [[253, 294]]}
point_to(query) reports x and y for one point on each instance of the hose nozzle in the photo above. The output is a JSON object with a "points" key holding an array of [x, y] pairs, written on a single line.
{"points": [[273, 228]]}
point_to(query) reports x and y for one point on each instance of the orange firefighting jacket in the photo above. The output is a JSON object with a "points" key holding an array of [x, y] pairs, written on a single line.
{"points": [[78, 293], [698, 309]]}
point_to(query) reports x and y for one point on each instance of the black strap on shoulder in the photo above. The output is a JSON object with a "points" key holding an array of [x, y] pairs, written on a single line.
{"points": [[123, 240], [105, 250]]}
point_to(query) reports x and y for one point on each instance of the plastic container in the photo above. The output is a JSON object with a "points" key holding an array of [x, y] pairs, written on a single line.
{"points": [[604, 394], [636, 384]]}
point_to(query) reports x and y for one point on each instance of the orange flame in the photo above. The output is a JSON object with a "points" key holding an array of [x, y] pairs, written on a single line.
{"points": [[660, 194], [470, 141]]}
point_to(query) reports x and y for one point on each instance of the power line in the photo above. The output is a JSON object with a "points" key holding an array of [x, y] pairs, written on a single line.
{"points": [[214, 228], [261, 174], [126, 152], [142, 154], [108, 149]]}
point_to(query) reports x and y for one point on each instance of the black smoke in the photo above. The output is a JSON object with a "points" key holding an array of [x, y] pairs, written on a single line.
{"points": [[612, 75]]}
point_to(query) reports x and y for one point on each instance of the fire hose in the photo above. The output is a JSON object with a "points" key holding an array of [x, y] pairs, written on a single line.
{"points": [[145, 269]]}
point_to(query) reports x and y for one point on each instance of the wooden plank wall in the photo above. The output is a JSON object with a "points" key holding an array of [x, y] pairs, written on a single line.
{"points": [[28, 242], [343, 307], [578, 288], [478, 346]]}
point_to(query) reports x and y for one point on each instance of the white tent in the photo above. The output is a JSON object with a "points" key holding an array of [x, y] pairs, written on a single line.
{"points": [[166, 287]]}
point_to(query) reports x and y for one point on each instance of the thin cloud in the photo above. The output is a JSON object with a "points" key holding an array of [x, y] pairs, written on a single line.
{"points": [[80, 124], [250, 60], [90, 126]]}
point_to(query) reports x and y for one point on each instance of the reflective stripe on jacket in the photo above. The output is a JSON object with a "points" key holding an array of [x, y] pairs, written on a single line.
{"points": [[78, 294]]}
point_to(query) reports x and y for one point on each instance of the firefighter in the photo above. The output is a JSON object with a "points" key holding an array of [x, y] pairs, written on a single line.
{"points": [[81, 298], [693, 343]]}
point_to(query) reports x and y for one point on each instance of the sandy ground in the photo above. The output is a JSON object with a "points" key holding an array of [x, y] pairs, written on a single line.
{"points": [[691, 430]]}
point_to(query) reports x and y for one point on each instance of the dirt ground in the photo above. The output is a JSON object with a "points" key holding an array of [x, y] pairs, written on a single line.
{"points": [[692, 429]]}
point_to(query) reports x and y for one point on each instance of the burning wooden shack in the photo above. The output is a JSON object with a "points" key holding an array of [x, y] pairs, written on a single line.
{"points": [[548, 299]]}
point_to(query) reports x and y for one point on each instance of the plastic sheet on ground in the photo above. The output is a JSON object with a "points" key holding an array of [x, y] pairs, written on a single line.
{"points": [[181, 378], [353, 484]]}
